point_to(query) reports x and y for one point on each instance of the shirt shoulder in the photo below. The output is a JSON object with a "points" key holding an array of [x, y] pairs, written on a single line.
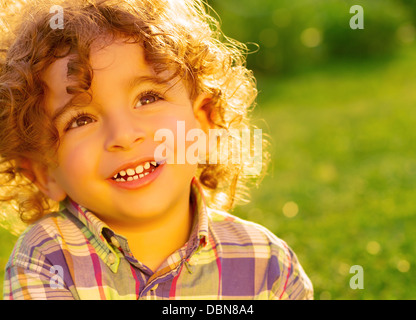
{"points": [[232, 229], [44, 238], [255, 245], [40, 252]]}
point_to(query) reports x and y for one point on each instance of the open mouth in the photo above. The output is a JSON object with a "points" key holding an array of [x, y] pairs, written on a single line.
{"points": [[136, 173]]}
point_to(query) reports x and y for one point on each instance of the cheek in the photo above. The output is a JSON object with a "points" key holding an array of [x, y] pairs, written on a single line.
{"points": [[76, 161], [175, 127]]}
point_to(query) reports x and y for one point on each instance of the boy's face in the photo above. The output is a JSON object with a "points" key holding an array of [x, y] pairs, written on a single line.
{"points": [[114, 134]]}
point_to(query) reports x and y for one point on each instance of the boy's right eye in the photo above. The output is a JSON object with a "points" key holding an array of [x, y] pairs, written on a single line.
{"points": [[79, 121]]}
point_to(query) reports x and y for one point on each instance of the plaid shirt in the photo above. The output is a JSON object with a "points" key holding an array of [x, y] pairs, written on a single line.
{"points": [[74, 255]]}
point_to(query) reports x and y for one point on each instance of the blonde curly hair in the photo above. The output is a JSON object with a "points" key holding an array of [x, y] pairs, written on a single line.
{"points": [[179, 36]]}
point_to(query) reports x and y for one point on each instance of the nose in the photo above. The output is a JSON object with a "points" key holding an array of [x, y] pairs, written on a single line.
{"points": [[123, 133]]}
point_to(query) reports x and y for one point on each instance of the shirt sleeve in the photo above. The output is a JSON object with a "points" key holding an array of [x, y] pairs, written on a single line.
{"points": [[42, 284], [292, 282]]}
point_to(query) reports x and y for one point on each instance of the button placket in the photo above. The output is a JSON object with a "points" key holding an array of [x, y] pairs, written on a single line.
{"points": [[115, 242], [111, 258]]}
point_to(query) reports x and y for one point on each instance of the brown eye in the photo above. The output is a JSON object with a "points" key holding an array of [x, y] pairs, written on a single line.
{"points": [[81, 121], [148, 98]]}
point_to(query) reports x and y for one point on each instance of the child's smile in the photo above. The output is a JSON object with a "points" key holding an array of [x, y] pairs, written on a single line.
{"points": [[106, 157], [136, 175]]}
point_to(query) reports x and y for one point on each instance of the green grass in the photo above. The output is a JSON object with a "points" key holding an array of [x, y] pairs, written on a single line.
{"points": [[343, 152], [7, 241]]}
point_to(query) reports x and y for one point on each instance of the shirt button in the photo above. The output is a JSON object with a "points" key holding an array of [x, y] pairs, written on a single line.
{"points": [[111, 258], [115, 242]]}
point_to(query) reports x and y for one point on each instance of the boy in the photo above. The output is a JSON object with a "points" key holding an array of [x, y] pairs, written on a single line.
{"points": [[81, 106]]}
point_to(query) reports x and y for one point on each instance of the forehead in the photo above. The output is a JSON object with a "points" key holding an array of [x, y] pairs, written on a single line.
{"points": [[120, 57], [112, 65]]}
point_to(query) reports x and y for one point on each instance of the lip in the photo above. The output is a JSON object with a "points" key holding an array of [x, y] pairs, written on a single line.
{"points": [[134, 164], [135, 184]]}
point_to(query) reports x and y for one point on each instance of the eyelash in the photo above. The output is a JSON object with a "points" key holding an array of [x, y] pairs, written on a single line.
{"points": [[81, 114], [150, 92], [74, 118]]}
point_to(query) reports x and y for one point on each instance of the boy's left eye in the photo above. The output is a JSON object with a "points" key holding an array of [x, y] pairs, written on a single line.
{"points": [[148, 98]]}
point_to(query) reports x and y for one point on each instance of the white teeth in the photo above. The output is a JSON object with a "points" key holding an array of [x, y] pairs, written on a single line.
{"points": [[139, 169], [135, 174]]}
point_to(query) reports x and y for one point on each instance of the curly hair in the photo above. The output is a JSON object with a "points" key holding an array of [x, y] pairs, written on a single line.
{"points": [[178, 36]]}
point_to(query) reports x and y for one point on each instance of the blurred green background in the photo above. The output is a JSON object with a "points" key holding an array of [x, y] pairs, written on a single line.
{"points": [[339, 107]]}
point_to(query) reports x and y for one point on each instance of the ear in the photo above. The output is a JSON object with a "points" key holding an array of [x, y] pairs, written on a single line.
{"points": [[41, 176], [201, 107]]}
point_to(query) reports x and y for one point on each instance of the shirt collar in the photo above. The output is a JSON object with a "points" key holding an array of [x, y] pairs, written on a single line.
{"points": [[200, 229], [197, 240], [93, 224], [107, 253]]}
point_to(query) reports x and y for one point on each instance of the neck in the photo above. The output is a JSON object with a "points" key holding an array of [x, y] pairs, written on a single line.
{"points": [[152, 241]]}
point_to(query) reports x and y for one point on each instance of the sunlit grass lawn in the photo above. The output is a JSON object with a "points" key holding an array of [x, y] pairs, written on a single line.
{"points": [[6, 245], [343, 152]]}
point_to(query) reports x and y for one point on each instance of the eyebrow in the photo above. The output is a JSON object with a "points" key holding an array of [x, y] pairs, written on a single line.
{"points": [[67, 106], [130, 85], [139, 80]]}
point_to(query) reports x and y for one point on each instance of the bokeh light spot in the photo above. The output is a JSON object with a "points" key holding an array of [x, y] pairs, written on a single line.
{"points": [[403, 265], [311, 37], [373, 247], [290, 209]]}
